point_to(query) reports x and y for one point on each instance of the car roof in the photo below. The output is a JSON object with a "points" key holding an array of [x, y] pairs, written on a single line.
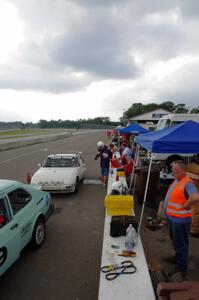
{"points": [[63, 155], [6, 184]]}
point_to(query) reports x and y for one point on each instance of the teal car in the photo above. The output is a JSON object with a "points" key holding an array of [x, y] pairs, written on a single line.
{"points": [[24, 210]]}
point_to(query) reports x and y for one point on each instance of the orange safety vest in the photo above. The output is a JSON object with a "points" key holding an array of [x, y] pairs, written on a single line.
{"points": [[176, 199]]}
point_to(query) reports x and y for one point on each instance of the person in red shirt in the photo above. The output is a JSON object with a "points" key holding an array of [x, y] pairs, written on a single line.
{"points": [[128, 168]]}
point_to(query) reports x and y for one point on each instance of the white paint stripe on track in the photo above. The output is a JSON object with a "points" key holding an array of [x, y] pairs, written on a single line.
{"points": [[27, 154], [19, 156], [92, 181]]}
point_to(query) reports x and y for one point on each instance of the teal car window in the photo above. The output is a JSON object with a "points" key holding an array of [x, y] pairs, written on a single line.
{"points": [[19, 198], [4, 215]]}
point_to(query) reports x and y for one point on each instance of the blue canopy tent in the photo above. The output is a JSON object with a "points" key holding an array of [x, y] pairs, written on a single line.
{"points": [[182, 138], [133, 129]]}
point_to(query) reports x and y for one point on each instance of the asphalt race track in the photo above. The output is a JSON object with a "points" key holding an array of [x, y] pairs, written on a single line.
{"points": [[67, 266]]}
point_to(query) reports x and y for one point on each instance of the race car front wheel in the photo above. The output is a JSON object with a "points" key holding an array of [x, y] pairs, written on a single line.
{"points": [[39, 233], [76, 185]]}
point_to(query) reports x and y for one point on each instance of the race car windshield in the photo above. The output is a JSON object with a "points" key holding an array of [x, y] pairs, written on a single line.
{"points": [[60, 162]]}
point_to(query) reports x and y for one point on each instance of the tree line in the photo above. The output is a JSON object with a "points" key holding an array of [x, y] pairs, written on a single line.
{"points": [[139, 109], [98, 122], [103, 122]]}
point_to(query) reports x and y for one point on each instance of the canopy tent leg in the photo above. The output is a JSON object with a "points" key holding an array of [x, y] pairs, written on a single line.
{"points": [[145, 193], [133, 175]]}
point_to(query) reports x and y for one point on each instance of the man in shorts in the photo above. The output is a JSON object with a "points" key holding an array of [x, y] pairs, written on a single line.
{"points": [[105, 155]]}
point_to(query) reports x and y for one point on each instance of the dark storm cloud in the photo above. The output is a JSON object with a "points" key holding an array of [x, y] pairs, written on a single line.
{"points": [[33, 78], [158, 42], [136, 7], [101, 55], [70, 44], [182, 88], [92, 44], [190, 8]]}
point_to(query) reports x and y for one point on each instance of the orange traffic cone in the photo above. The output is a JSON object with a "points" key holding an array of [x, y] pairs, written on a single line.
{"points": [[28, 178]]}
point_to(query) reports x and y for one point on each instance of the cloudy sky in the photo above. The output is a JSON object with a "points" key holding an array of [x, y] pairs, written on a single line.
{"points": [[62, 59]]}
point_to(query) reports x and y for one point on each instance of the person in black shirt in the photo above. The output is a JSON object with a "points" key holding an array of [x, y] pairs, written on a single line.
{"points": [[105, 155]]}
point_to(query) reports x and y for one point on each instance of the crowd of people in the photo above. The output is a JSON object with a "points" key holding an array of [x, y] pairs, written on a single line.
{"points": [[109, 158]]}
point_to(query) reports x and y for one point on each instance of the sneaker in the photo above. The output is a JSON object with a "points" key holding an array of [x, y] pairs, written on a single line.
{"points": [[178, 277], [177, 270]]}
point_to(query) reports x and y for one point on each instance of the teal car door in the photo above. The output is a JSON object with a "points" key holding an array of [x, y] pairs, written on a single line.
{"points": [[23, 211], [9, 237]]}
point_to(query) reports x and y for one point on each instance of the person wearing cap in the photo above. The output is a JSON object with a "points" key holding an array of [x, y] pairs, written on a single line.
{"points": [[179, 215], [105, 155]]}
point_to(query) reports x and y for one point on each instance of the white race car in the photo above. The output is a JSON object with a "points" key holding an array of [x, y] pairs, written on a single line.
{"points": [[60, 173]]}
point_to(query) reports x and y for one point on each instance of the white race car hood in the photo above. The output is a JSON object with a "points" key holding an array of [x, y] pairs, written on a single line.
{"points": [[55, 174]]}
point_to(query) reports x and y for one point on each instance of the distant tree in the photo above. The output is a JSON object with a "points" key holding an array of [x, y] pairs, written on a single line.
{"points": [[21, 125], [101, 120], [167, 105], [195, 110], [30, 125], [138, 109], [107, 120], [181, 109], [150, 107], [135, 110], [98, 120], [43, 124]]}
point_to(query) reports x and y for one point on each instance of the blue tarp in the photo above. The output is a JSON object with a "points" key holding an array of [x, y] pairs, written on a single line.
{"points": [[133, 129], [181, 138]]}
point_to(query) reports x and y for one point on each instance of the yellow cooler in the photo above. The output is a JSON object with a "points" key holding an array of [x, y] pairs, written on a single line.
{"points": [[119, 205]]}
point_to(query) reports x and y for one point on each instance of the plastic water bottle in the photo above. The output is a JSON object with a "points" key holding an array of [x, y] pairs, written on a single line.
{"points": [[131, 238]]}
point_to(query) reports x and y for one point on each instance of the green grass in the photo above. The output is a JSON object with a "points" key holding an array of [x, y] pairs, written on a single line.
{"points": [[17, 133]]}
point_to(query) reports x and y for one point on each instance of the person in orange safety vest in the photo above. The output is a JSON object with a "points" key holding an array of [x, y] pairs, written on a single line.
{"points": [[179, 215]]}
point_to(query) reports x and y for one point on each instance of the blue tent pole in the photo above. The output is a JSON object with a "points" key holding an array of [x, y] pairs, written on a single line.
{"points": [[145, 193]]}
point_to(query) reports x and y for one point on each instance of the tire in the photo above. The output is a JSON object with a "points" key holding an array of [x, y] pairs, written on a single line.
{"points": [[76, 186], [39, 233]]}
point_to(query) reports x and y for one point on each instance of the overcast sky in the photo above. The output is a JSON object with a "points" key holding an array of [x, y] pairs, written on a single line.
{"points": [[75, 59]]}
